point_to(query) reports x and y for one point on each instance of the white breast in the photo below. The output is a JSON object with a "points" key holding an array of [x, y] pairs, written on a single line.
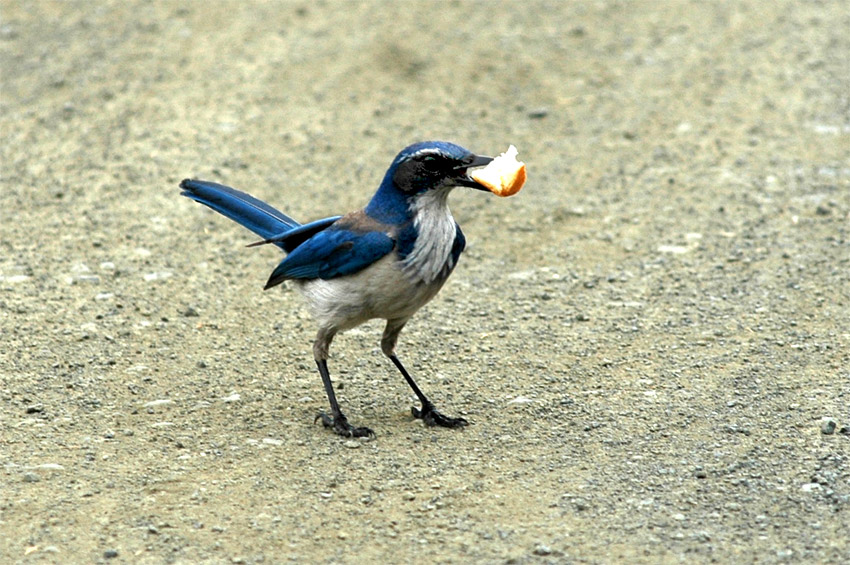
{"points": [[390, 289], [382, 290], [431, 255]]}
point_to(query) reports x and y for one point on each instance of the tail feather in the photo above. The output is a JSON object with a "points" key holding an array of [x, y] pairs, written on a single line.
{"points": [[242, 208]]}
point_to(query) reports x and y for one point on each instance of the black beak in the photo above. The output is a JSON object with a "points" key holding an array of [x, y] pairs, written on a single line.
{"points": [[471, 162]]}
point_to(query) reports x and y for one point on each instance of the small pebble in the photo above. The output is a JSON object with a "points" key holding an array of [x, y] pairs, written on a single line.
{"points": [[674, 249], [542, 550], [827, 426], [110, 553], [520, 400], [35, 408], [162, 275], [50, 467], [90, 279], [8, 32], [155, 403]]}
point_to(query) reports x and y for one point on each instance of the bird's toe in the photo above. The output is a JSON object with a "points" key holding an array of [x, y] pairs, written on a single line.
{"points": [[340, 426], [432, 417]]}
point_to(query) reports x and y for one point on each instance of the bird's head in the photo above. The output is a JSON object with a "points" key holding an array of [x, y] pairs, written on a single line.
{"points": [[420, 168], [431, 165]]}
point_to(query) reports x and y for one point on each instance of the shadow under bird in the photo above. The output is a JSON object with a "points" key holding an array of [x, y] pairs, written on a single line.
{"points": [[384, 261]]}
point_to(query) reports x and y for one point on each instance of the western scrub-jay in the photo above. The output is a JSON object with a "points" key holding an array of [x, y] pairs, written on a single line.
{"points": [[384, 261]]}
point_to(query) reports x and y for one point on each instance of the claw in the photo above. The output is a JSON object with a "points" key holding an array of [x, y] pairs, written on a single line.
{"points": [[341, 426], [432, 417]]}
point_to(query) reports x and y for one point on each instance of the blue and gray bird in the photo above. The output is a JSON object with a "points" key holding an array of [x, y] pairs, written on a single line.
{"points": [[384, 261]]}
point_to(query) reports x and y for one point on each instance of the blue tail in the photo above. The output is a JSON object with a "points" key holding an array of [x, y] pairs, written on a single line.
{"points": [[244, 209], [269, 223]]}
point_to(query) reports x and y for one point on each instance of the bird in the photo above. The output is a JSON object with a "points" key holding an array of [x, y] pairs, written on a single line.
{"points": [[384, 261]]}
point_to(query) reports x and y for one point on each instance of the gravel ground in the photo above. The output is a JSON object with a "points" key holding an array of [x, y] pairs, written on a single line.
{"points": [[650, 341]]}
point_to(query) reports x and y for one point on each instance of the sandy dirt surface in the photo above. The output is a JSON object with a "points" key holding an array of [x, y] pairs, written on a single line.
{"points": [[651, 341]]}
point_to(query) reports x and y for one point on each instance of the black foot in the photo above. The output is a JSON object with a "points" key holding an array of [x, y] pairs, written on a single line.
{"points": [[431, 417], [341, 426]]}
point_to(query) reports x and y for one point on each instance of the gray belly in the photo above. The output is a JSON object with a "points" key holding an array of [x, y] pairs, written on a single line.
{"points": [[382, 290]]}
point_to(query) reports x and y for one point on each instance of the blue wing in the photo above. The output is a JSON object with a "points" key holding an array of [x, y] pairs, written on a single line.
{"points": [[291, 239], [332, 253]]}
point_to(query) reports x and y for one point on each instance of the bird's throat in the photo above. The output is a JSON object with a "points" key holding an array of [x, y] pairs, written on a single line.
{"points": [[430, 260]]}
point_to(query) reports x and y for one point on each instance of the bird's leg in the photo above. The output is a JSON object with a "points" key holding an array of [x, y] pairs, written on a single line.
{"points": [[428, 413], [336, 419]]}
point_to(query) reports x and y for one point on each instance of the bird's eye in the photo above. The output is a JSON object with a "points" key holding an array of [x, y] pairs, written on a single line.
{"points": [[431, 163]]}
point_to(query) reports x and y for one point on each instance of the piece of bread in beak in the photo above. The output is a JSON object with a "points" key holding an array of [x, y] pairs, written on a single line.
{"points": [[503, 176]]}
